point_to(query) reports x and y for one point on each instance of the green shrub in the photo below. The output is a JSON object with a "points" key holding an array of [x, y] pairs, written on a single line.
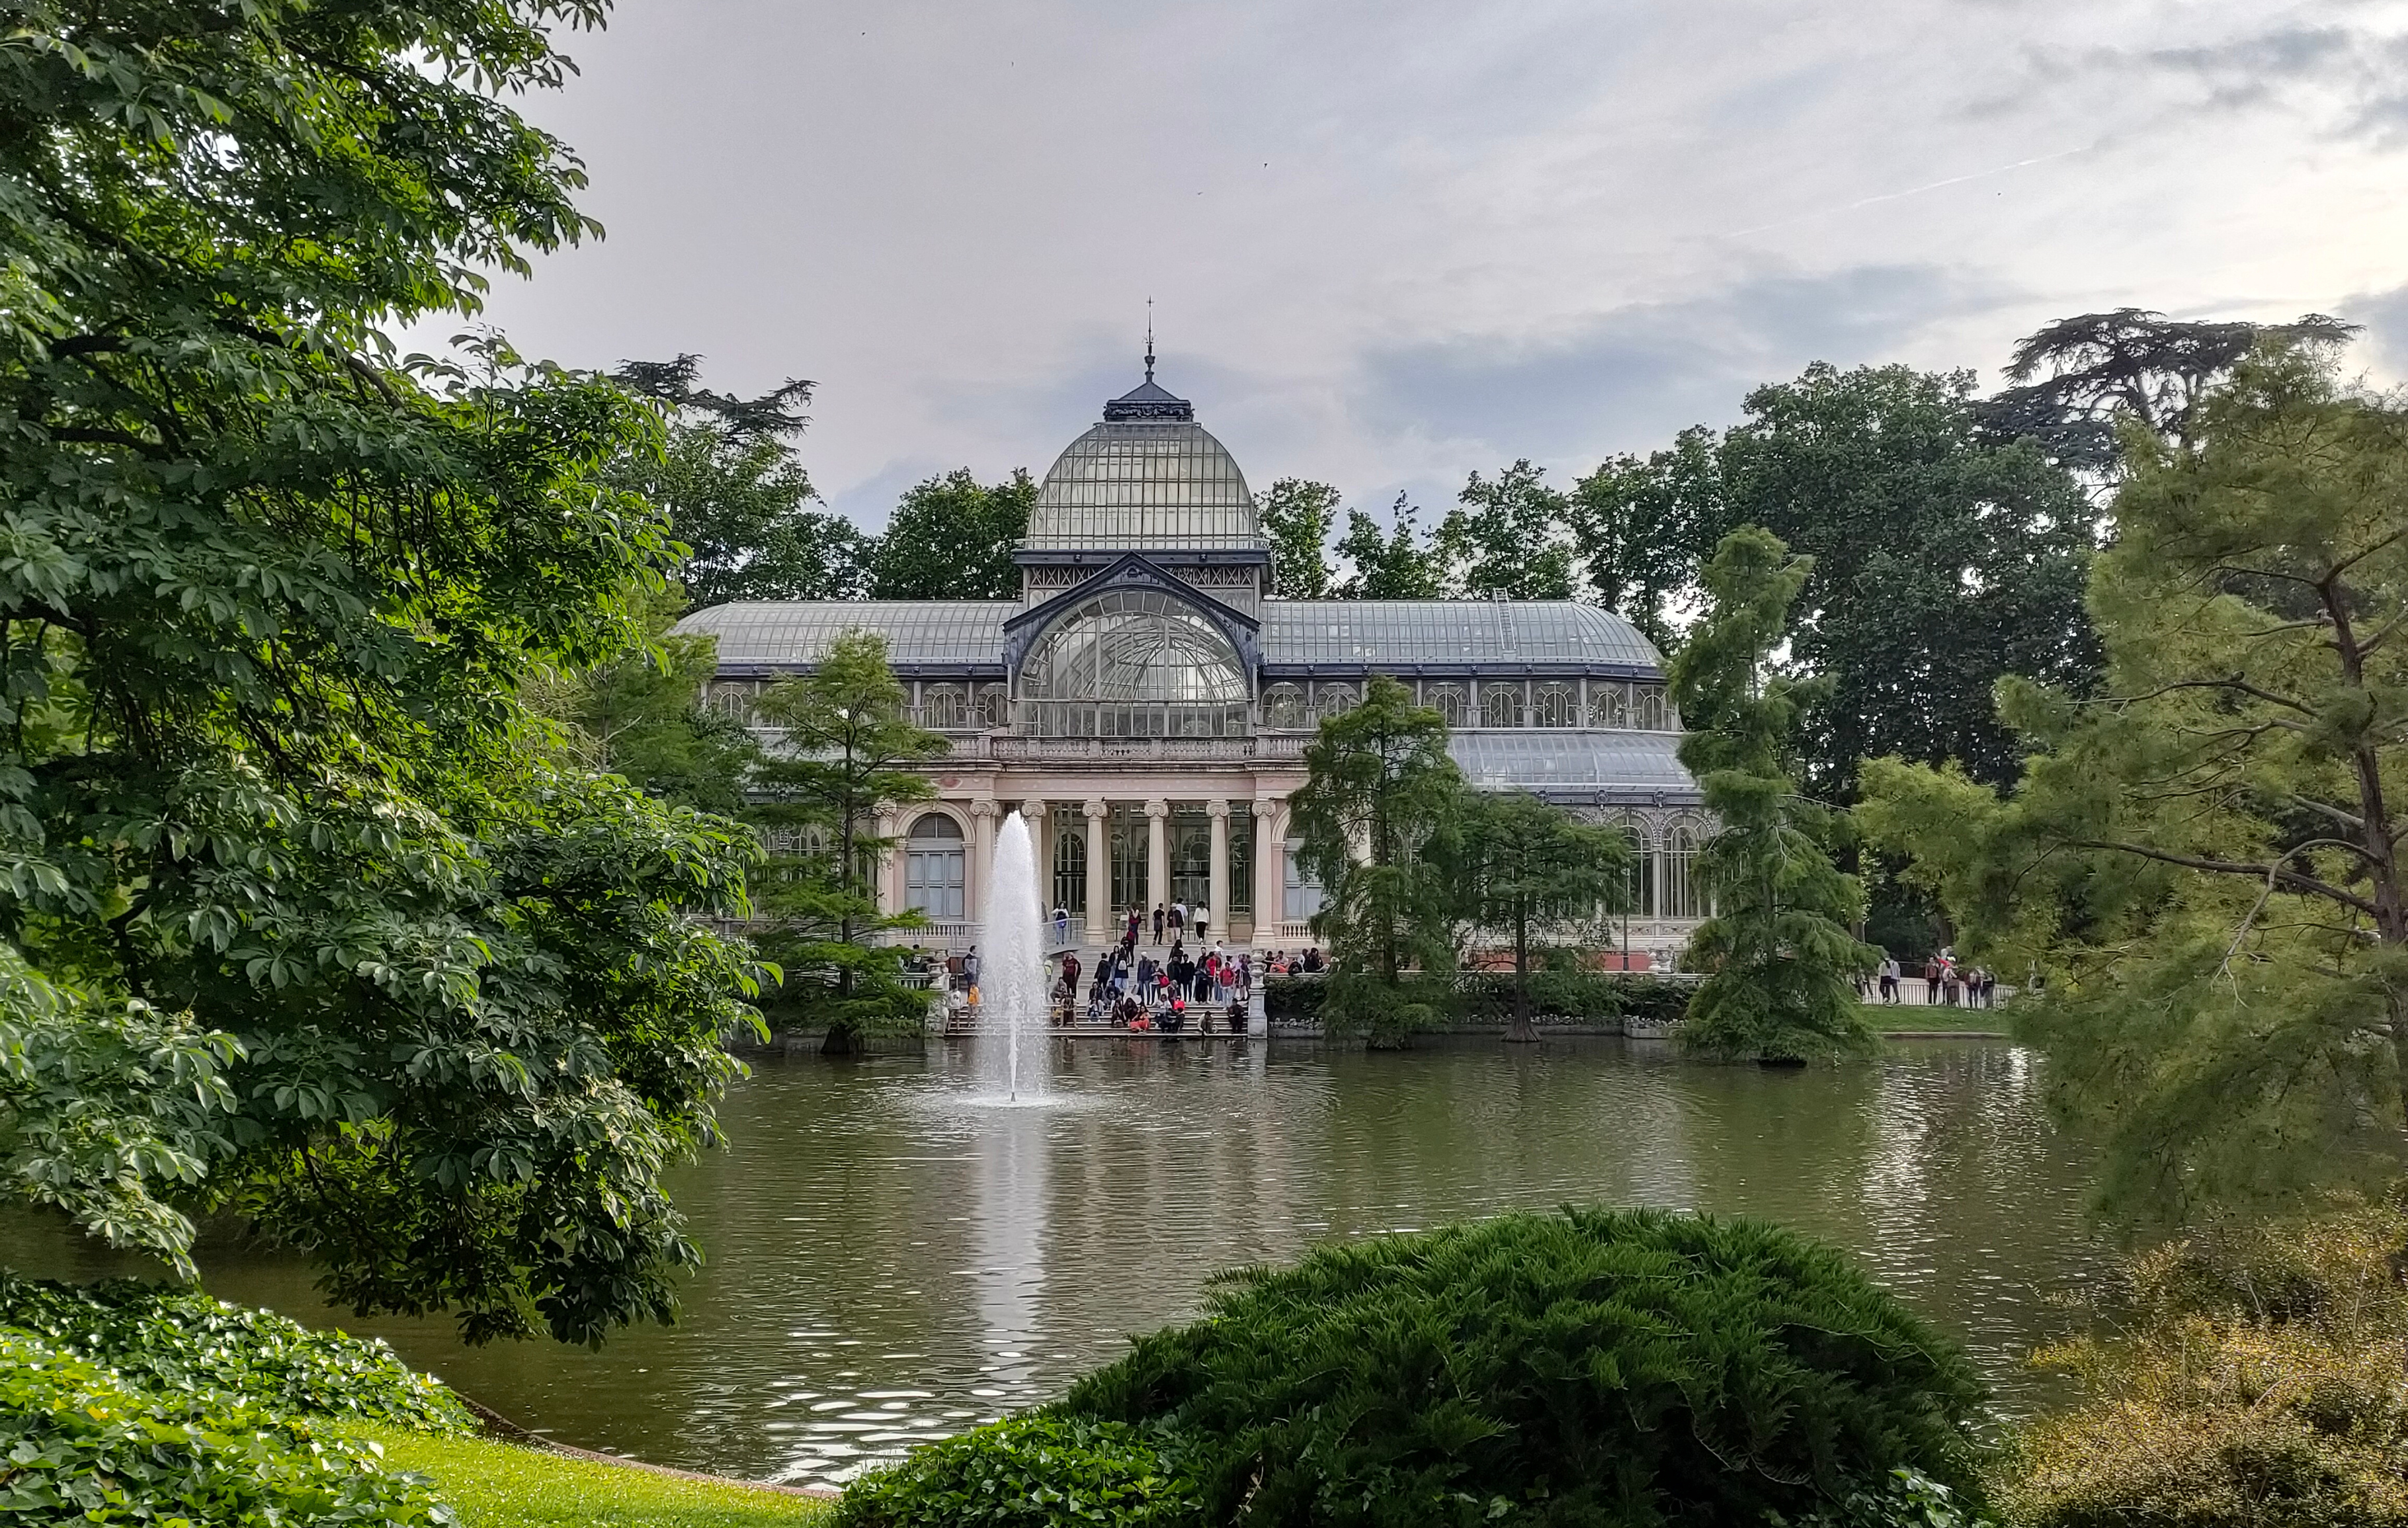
{"points": [[79, 1443], [2248, 1379], [1629, 1367], [1031, 1471], [1485, 998], [166, 1339]]}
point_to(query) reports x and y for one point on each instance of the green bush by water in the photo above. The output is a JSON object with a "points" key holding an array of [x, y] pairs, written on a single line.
{"points": [[84, 1445], [172, 1340], [1591, 1367], [1482, 998], [1030, 1472]]}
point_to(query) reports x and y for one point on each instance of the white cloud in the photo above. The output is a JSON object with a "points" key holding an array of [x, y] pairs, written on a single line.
{"points": [[1393, 242]]}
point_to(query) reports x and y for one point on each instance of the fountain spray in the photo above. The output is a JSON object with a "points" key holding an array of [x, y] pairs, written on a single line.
{"points": [[1015, 989]]}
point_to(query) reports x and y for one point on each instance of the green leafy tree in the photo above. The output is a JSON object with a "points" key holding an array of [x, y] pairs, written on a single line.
{"points": [[735, 493], [1378, 787], [1388, 564], [290, 892], [640, 716], [1507, 535], [1638, 529], [1939, 564], [2204, 861], [953, 537], [1780, 963], [847, 755], [1532, 871], [1298, 516]]}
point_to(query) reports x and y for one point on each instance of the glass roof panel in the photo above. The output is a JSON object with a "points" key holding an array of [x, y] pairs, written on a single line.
{"points": [[1145, 484], [1471, 632]]}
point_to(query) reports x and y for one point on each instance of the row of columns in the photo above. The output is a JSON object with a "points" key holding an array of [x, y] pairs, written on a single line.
{"points": [[1270, 868]]}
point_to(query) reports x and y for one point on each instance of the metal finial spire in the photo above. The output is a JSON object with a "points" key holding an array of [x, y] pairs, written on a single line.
{"points": [[1149, 340]]}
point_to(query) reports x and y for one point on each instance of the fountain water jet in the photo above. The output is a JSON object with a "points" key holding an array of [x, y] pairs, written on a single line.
{"points": [[1015, 987]]}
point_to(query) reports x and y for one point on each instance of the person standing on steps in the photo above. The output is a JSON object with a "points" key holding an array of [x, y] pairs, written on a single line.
{"points": [[1158, 923], [1202, 915], [970, 967]]}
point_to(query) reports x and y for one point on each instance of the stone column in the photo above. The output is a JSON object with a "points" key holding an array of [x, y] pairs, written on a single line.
{"points": [[1100, 929], [1158, 862], [886, 878], [981, 858], [1217, 882], [1270, 870], [1032, 812]]}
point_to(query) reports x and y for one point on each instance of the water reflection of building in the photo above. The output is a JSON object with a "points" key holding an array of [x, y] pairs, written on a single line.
{"points": [[1146, 700]]}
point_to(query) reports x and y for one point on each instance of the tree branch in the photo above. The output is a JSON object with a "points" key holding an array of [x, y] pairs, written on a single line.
{"points": [[2293, 879]]}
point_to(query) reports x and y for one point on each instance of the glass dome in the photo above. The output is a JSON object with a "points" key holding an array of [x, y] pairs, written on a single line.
{"points": [[1145, 484], [1133, 663]]}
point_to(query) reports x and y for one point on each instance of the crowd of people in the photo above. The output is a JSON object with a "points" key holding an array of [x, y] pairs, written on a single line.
{"points": [[1946, 984]]}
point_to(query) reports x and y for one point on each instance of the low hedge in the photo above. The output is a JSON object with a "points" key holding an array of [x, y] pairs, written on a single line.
{"points": [[81, 1444], [1485, 998], [1626, 1368], [173, 1340], [1030, 1472]]}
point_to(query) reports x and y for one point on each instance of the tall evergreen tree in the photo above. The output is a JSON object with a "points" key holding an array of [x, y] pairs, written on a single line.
{"points": [[847, 756], [1781, 964], [2205, 860], [1378, 786]]}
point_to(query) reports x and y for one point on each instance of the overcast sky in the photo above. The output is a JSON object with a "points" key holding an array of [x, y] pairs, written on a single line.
{"points": [[1392, 241]]}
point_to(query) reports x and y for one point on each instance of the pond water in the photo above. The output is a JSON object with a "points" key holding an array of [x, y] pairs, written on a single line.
{"points": [[891, 1260]]}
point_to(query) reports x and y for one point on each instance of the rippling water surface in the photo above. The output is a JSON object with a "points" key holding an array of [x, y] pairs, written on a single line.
{"points": [[891, 1258]]}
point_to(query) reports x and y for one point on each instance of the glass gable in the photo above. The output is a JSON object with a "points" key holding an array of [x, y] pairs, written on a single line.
{"points": [[1133, 663]]}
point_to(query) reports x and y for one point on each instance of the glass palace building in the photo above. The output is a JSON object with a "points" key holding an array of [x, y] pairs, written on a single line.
{"points": [[1146, 701]]}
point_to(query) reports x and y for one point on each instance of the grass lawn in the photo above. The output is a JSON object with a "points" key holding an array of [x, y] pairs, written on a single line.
{"points": [[501, 1485], [1939, 1020]]}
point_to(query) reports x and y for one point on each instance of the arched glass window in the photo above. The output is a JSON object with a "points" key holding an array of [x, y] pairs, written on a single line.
{"points": [[1070, 871], [1608, 704], [1684, 897], [1500, 703], [993, 705], [1554, 705], [1651, 710], [1333, 699], [1641, 875], [1451, 701], [1283, 708], [1134, 663], [944, 707], [934, 867], [733, 700]]}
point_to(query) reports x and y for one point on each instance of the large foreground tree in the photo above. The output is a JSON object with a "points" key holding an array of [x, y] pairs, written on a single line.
{"points": [[2206, 859], [1781, 964], [296, 921]]}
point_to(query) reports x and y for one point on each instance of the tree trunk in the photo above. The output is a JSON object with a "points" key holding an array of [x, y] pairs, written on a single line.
{"points": [[841, 1040], [1521, 1032]]}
